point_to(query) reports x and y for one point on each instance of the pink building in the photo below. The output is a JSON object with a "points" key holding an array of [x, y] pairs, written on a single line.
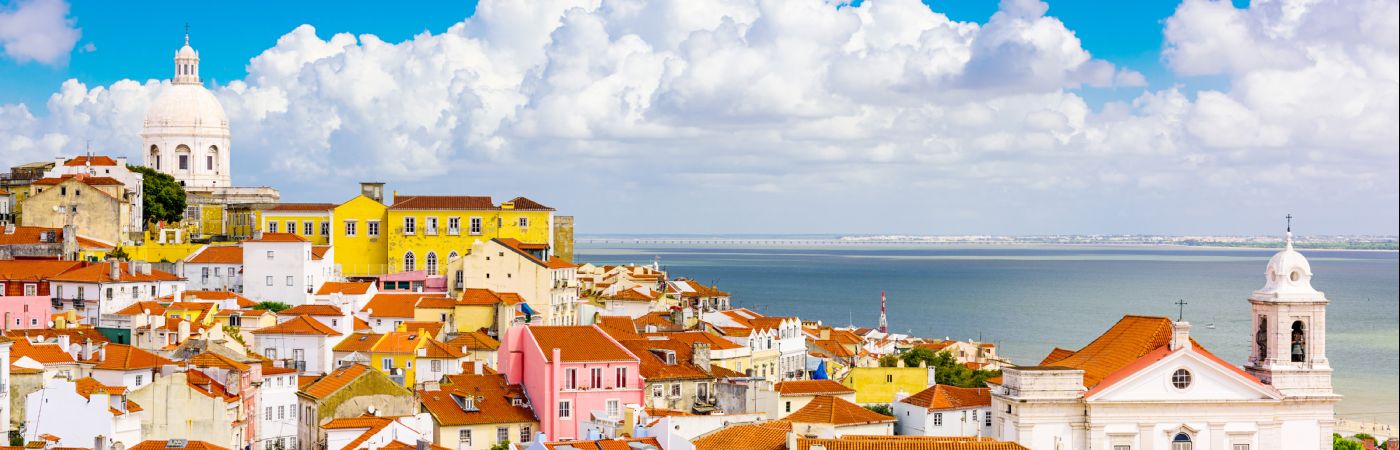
{"points": [[23, 312], [578, 378], [413, 281]]}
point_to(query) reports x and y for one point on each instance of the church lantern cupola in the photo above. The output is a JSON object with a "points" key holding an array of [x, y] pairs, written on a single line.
{"points": [[1289, 327]]}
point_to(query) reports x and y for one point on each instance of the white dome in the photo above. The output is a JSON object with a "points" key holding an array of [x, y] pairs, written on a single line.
{"points": [[186, 52], [1288, 272], [186, 105]]}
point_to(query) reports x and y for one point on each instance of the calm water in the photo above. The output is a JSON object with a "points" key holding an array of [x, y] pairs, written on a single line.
{"points": [[1032, 298]]}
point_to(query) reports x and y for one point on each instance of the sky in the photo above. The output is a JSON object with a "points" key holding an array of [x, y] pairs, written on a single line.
{"points": [[763, 116]]}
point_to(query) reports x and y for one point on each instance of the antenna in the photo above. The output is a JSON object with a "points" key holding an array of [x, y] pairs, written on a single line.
{"points": [[884, 325]]}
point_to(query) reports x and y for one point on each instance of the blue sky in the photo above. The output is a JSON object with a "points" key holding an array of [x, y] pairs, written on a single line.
{"points": [[883, 116]]}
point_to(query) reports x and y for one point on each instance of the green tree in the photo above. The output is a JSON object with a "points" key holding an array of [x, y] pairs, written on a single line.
{"points": [[503, 445], [946, 370], [272, 306], [164, 197], [881, 409], [118, 253], [1341, 443]]}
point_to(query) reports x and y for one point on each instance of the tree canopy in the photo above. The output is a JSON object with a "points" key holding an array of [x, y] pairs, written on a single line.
{"points": [[164, 197], [272, 306], [947, 371]]}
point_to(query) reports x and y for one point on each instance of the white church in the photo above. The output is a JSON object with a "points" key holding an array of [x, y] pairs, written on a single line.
{"points": [[1146, 385], [186, 135]]}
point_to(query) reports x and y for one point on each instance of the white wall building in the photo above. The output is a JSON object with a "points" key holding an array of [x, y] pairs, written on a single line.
{"points": [[186, 132], [77, 412], [277, 421], [1146, 385], [215, 268], [103, 166], [108, 287], [301, 342], [549, 285], [283, 267], [943, 410]]}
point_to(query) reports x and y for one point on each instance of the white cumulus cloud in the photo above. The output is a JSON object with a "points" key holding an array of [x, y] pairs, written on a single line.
{"points": [[38, 30]]}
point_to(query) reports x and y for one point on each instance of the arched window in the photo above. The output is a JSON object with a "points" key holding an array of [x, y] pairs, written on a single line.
{"points": [[1261, 338], [182, 156], [211, 159], [155, 157], [451, 256], [431, 263], [1181, 442], [1300, 344], [408, 262]]}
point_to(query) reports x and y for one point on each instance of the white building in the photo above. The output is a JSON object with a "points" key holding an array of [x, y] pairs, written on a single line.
{"points": [[943, 410], [104, 166], [186, 132], [215, 268], [786, 334], [5, 412], [1145, 384], [284, 267], [79, 411], [548, 284], [107, 287], [277, 422], [300, 342]]}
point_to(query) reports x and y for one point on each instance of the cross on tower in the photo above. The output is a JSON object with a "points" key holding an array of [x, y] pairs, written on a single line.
{"points": [[187, 33], [1181, 309], [1289, 217]]}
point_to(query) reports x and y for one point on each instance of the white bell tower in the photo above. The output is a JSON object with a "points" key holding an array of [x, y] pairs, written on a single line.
{"points": [[1289, 328]]}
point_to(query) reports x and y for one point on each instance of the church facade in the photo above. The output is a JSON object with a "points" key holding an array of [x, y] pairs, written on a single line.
{"points": [[1146, 385], [186, 135]]}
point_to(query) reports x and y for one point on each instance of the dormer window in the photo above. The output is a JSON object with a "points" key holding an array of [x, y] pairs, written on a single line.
{"points": [[467, 402]]}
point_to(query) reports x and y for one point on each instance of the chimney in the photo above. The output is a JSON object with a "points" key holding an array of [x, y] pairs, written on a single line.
{"points": [[87, 349], [145, 268], [102, 353], [184, 330], [932, 380], [476, 367], [700, 355], [373, 190], [422, 444], [99, 442], [115, 269], [133, 267], [9, 228], [1181, 335], [431, 386]]}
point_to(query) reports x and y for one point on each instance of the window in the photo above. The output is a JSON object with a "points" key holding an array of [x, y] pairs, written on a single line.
{"points": [[33, 289], [787, 407], [387, 363], [209, 163], [281, 412], [325, 228], [307, 227], [139, 380], [289, 280], [1241, 447], [454, 225], [349, 228], [621, 377], [436, 365], [372, 228], [938, 419], [614, 407], [1299, 344], [291, 227], [595, 378], [270, 353], [675, 389], [272, 227], [502, 434], [889, 378], [1181, 379], [430, 263], [565, 410], [430, 225], [658, 391], [475, 226], [184, 162], [987, 418], [464, 436], [267, 413], [524, 222], [408, 262], [1122, 447], [269, 280], [1182, 442], [270, 254], [410, 225], [525, 434], [702, 391], [570, 378]]}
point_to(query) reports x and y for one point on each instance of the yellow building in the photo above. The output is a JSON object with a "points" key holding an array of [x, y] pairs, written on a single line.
{"points": [[199, 313], [359, 242], [471, 411], [308, 220], [96, 206], [880, 384], [395, 353]]}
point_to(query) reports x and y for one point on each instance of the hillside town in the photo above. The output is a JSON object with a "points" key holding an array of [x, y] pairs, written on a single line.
{"points": [[386, 320]]}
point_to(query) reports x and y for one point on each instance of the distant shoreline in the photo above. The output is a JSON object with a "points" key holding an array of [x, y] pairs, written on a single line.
{"points": [[1365, 246]]}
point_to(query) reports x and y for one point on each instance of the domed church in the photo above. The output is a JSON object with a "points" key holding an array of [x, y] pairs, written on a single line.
{"points": [[186, 135]]}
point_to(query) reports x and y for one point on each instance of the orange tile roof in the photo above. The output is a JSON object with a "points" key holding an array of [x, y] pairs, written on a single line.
{"points": [[299, 325], [690, 337], [634, 295], [604, 444], [269, 369], [218, 254], [358, 342], [1056, 354], [164, 445], [332, 382], [393, 304], [101, 273], [475, 340], [621, 328], [438, 350], [943, 397], [525, 204], [32, 270], [87, 385], [441, 202], [318, 252], [831, 410], [361, 324], [143, 307], [211, 359], [46, 353], [126, 357], [855, 442], [494, 401], [559, 263], [310, 309], [203, 384], [80, 334], [303, 207], [812, 387], [278, 237], [433, 329], [400, 342], [834, 348], [1129, 339], [476, 296], [243, 302], [95, 160], [348, 288], [653, 368], [85, 179], [770, 435], [578, 344], [436, 302]]}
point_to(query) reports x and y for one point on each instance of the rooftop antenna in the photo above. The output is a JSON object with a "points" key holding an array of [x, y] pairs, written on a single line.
{"points": [[1181, 309], [884, 325]]}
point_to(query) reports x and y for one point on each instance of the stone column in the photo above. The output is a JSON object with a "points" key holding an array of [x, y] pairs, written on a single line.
{"points": [[1270, 435], [1147, 436], [1217, 436]]}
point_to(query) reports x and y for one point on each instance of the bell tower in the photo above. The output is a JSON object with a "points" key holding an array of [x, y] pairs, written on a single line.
{"points": [[1289, 327]]}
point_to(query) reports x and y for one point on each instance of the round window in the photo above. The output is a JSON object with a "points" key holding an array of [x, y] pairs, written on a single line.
{"points": [[1295, 275], [1181, 379]]}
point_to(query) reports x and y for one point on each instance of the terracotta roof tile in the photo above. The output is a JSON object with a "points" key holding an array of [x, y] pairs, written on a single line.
{"points": [[278, 237], [400, 342], [654, 368], [856, 442], [943, 397], [203, 384], [433, 329], [45, 353], [95, 160], [126, 357], [348, 288], [217, 296], [303, 207], [101, 273], [438, 350], [525, 204], [494, 401], [313, 310], [332, 382], [1129, 339], [28, 270], [436, 302], [476, 296], [770, 435], [85, 179], [218, 254], [299, 325], [578, 344], [393, 304], [163, 445], [441, 202], [475, 340], [211, 359], [812, 387], [621, 328], [826, 409], [143, 307], [358, 342], [318, 252], [603, 444]]}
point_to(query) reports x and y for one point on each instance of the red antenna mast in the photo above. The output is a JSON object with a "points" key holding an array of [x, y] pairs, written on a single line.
{"points": [[884, 326]]}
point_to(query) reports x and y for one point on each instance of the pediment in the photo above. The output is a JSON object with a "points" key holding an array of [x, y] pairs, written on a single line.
{"points": [[1210, 380]]}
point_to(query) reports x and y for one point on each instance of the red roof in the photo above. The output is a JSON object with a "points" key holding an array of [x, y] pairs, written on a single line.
{"points": [[96, 160], [347, 288], [278, 237], [944, 397], [525, 204], [101, 273], [299, 325], [835, 411], [126, 357], [442, 202], [218, 254], [578, 344], [303, 207]]}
